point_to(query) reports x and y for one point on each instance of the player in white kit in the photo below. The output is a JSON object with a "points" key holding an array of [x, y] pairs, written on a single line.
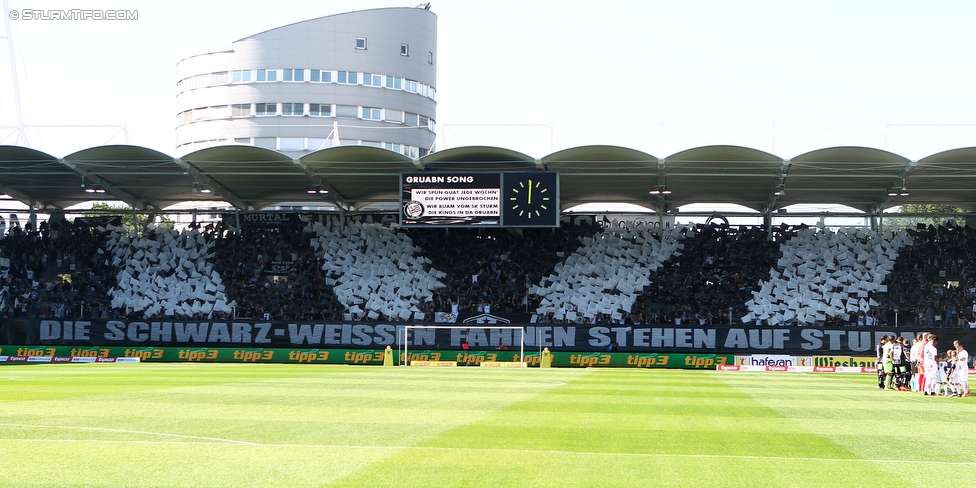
{"points": [[962, 369], [930, 364]]}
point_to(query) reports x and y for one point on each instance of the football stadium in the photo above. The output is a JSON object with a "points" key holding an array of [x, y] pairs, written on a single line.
{"points": [[368, 310]]}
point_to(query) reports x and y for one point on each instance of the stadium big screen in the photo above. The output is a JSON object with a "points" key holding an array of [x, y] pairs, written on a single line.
{"points": [[478, 199]]}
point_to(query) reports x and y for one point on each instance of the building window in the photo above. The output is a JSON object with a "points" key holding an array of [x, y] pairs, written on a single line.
{"points": [[348, 77], [360, 43], [291, 143], [240, 110], [320, 109], [370, 113], [243, 140], [393, 116], [404, 49], [430, 57], [242, 76], [266, 142], [293, 109], [372, 80], [219, 112], [219, 78], [316, 143], [263, 109], [267, 75], [350, 111], [293, 75]]}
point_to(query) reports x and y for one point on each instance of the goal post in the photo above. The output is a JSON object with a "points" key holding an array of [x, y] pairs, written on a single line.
{"points": [[493, 335]]}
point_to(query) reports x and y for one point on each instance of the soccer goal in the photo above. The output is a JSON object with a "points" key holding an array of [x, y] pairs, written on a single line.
{"points": [[432, 335]]}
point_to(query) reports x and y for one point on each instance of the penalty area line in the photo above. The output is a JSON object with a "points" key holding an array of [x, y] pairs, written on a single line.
{"points": [[127, 431]]}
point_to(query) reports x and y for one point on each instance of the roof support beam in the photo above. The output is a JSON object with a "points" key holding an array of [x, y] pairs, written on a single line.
{"points": [[225, 194], [334, 196], [117, 192]]}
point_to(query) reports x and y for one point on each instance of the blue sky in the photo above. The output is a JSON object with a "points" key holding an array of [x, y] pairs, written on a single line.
{"points": [[658, 76]]}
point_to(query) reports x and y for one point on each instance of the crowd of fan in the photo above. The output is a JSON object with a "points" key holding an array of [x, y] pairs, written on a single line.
{"points": [[491, 270], [713, 278], [272, 273], [933, 283], [58, 271]]}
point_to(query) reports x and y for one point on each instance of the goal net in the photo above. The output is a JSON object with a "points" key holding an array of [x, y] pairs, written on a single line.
{"points": [[449, 339]]}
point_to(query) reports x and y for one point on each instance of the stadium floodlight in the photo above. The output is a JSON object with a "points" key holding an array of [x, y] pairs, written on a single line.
{"points": [[660, 190], [404, 336], [893, 192]]}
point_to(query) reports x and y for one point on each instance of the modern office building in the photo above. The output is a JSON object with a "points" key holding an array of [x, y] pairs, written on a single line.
{"points": [[359, 78]]}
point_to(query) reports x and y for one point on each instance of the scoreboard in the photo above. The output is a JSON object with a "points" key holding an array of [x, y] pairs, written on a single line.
{"points": [[478, 199]]}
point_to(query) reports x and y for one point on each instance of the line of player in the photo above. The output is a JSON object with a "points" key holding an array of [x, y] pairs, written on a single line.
{"points": [[920, 367]]}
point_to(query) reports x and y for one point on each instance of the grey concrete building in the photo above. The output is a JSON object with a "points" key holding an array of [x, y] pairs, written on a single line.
{"points": [[358, 78]]}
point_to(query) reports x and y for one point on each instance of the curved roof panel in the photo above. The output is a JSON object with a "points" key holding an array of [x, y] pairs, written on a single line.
{"points": [[358, 176], [29, 175], [604, 174], [248, 177], [725, 174], [946, 178], [251, 178], [478, 158], [143, 178], [858, 177]]}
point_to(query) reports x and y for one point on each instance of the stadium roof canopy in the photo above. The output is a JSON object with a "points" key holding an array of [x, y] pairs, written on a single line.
{"points": [[355, 177]]}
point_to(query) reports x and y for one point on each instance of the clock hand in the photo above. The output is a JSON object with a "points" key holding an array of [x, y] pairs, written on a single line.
{"points": [[530, 193]]}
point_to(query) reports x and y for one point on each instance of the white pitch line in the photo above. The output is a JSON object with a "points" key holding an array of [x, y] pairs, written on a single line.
{"points": [[126, 431], [508, 451]]}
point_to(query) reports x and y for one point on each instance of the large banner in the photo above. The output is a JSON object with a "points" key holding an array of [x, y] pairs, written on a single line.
{"points": [[798, 341]]}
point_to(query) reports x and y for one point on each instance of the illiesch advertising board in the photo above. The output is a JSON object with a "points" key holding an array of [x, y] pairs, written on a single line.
{"points": [[795, 341]]}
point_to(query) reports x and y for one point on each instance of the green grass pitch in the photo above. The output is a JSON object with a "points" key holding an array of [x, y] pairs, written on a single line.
{"points": [[222, 425]]}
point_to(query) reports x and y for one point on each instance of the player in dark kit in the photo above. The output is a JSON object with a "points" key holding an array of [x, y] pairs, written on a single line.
{"points": [[878, 349], [899, 360]]}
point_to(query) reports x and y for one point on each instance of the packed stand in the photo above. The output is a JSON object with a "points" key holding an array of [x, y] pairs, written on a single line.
{"points": [[55, 272], [933, 283], [492, 270], [600, 282], [273, 273], [712, 278], [825, 277], [705, 274]]}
